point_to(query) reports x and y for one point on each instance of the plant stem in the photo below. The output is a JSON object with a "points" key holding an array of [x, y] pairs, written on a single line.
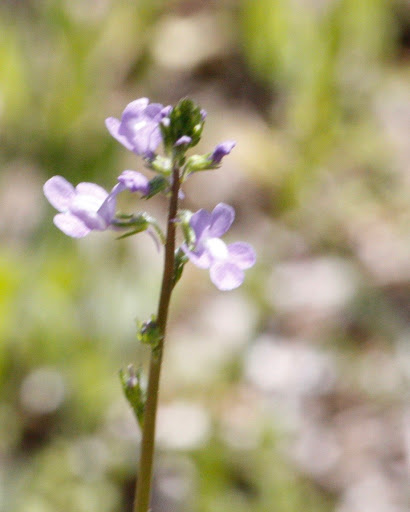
{"points": [[143, 489]]}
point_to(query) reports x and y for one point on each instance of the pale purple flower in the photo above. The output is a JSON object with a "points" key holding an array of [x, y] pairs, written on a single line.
{"points": [[134, 181], [139, 129], [85, 208], [226, 263], [222, 150]]}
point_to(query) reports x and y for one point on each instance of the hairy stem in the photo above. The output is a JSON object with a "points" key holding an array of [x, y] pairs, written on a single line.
{"points": [[143, 490]]}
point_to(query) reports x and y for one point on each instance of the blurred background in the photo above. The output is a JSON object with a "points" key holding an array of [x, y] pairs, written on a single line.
{"points": [[288, 394]]}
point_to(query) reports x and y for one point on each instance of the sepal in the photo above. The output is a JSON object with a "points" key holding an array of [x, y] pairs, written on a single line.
{"points": [[158, 184], [149, 333], [184, 217], [180, 260], [134, 392], [196, 163], [161, 164], [138, 224]]}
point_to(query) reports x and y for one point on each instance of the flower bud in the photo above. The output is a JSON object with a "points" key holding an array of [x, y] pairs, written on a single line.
{"points": [[185, 125]]}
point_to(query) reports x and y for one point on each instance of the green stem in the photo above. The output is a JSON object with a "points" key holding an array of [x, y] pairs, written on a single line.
{"points": [[143, 490]]}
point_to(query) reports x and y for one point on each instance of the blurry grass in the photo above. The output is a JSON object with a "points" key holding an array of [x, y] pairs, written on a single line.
{"points": [[258, 480]]}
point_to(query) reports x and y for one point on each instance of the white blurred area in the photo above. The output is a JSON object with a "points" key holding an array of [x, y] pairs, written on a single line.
{"points": [[42, 391]]}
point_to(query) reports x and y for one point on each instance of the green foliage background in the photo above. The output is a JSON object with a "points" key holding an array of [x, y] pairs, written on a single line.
{"points": [[316, 94]]}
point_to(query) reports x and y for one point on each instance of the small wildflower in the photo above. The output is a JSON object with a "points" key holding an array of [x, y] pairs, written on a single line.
{"points": [[226, 263], [139, 129], [85, 208]]}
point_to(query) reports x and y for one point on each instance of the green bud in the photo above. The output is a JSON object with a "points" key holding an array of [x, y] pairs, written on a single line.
{"points": [[161, 164], [197, 163], [149, 333], [185, 119]]}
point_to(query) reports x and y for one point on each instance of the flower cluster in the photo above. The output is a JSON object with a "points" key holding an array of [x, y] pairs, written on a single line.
{"points": [[142, 128]]}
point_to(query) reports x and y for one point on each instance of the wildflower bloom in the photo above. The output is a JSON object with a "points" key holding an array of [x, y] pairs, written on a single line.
{"points": [[222, 150], [85, 208], [226, 263], [139, 129]]}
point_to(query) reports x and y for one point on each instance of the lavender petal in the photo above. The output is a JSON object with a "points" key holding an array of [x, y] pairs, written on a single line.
{"points": [[86, 202], [221, 220], [113, 126], [59, 193], [108, 208], [200, 258], [153, 111], [71, 225], [242, 255], [91, 189], [226, 276], [222, 150], [185, 139], [134, 109], [199, 222], [134, 181]]}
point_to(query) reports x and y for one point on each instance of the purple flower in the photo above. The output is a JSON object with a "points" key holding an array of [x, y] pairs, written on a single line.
{"points": [[134, 181], [222, 150], [139, 129], [85, 208], [225, 262]]}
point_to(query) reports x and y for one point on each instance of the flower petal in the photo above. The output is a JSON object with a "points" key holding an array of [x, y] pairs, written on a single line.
{"points": [[59, 193], [92, 220], [147, 139], [86, 202], [200, 220], [113, 126], [221, 220], [217, 249], [166, 111], [242, 254], [185, 139], [134, 109], [222, 150], [71, 225], [154, 111], [108, 208], [93, 190], [201, 259], [134, 181], [226, 275]]}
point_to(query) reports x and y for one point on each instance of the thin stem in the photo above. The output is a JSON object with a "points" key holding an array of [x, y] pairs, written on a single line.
{"points": [[143, 490]]}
